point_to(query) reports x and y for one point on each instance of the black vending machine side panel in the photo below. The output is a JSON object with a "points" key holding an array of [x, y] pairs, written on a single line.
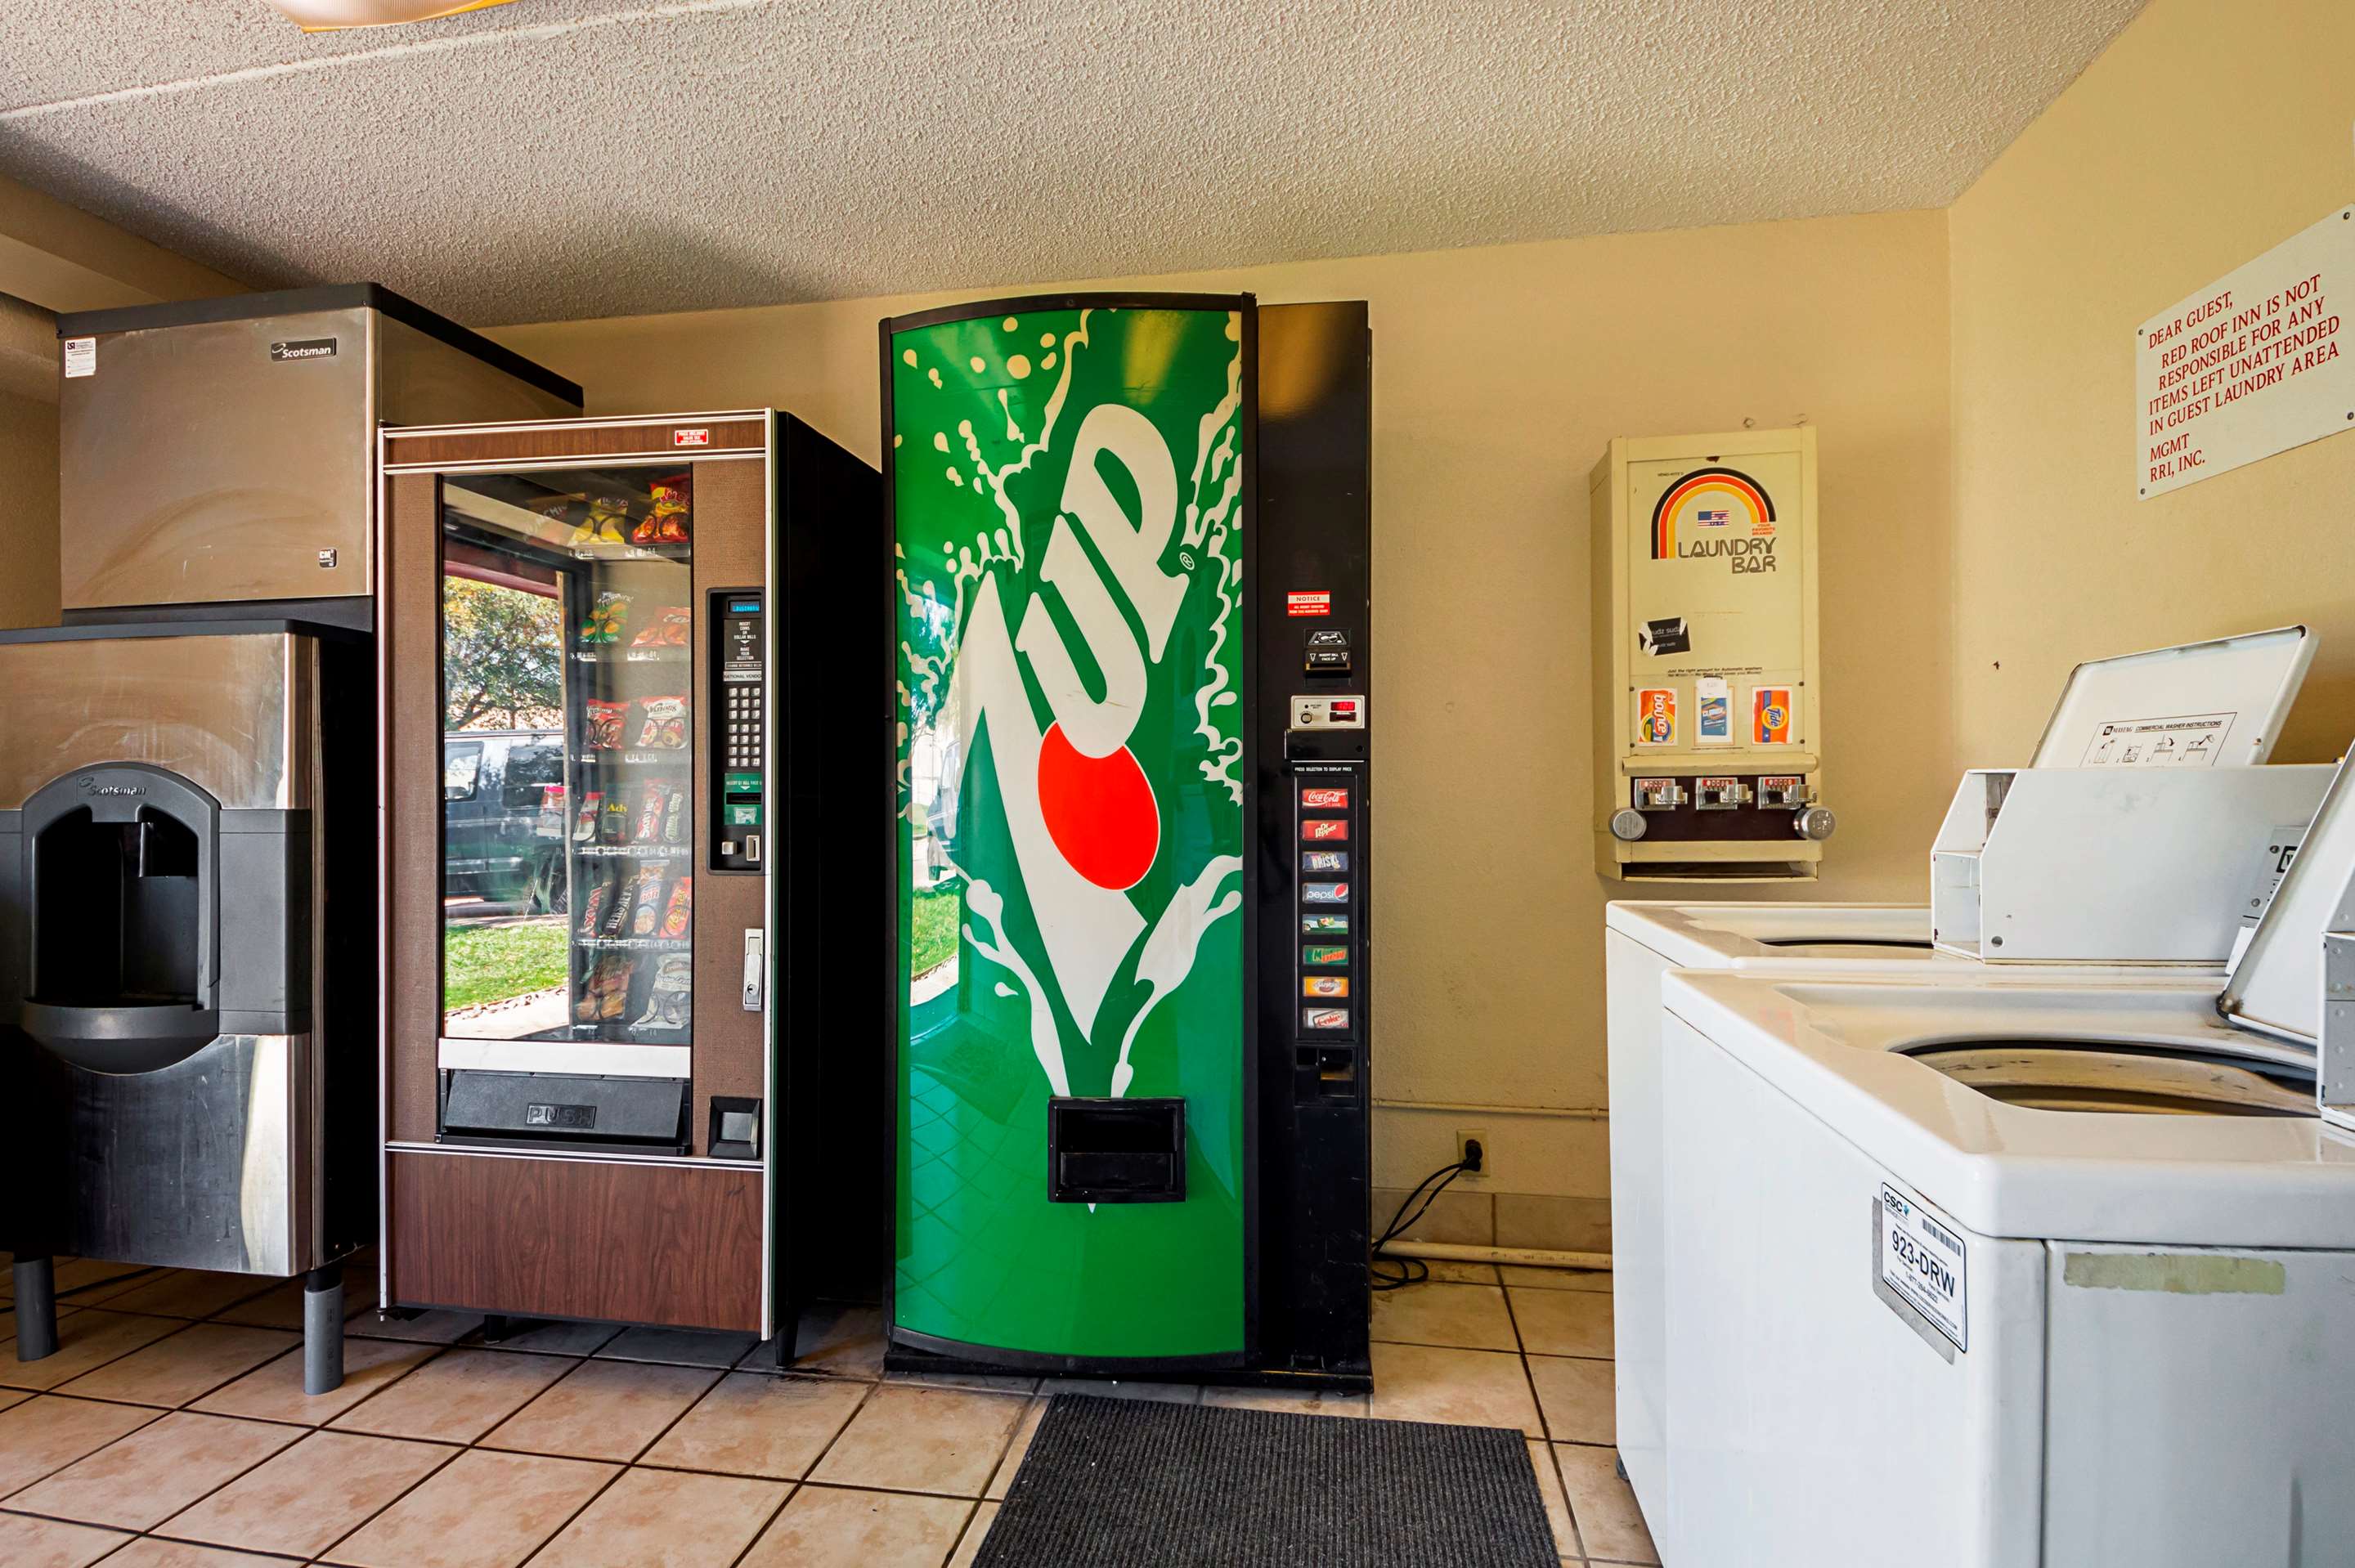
{"points": [[1315, 826], [829, 1211]]}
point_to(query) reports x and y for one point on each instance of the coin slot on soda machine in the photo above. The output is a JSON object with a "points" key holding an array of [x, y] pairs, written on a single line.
{"points": [[739, 682]]}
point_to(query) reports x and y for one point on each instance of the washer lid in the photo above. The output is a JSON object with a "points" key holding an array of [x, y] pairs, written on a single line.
{"points": [[2278, 985], [2202, 704]]}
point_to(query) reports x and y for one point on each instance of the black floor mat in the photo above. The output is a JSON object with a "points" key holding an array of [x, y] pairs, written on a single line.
{"points": [[1131, 1483]]}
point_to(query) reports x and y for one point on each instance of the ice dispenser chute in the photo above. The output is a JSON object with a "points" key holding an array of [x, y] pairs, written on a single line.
{"points": [[124, 944]]}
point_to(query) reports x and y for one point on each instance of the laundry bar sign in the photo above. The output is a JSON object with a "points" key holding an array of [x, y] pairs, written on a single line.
{"points": [[2251, 365]]}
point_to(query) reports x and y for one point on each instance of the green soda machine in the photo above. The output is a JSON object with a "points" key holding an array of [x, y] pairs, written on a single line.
{"points": [[1130, 1042]]}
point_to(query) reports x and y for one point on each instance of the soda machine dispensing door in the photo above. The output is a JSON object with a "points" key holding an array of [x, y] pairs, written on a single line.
{"points": [[605, 1049], [1129, 817]]}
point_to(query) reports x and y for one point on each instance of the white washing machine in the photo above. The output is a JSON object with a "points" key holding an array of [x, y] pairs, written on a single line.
{"points": [[2028, 1275], [1643, 944], [2241, 687]]}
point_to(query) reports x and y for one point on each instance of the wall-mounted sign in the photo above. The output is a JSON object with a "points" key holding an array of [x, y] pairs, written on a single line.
{"points": [[2251, 365]]}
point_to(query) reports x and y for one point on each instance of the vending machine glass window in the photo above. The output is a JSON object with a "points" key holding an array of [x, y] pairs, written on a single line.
{"points": [[568, 637]]}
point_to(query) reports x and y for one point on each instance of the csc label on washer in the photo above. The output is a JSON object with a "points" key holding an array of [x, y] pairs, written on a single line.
{"points": [[1925, 1262]]}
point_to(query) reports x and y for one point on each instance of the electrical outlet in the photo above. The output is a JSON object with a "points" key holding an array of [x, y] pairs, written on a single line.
{"points": [[1464, 1139]]}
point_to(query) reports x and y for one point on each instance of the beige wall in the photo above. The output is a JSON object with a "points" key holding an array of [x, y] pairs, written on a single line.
{"points": [[2209, 132], [1499, 374], [28, 495]]}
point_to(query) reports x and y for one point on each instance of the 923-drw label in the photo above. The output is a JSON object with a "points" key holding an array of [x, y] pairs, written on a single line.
{"points": [[1926, 1262]]}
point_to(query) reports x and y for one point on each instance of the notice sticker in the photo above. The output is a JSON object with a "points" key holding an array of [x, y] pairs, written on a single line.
{"points": [[698, 437], [1925, 1261], [1318, 603], [2185, 740], [1659, 638], [82, 358], [1656, 716], [1770, 715], [1712, 711]]}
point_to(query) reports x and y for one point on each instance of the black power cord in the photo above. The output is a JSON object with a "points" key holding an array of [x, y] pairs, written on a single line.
{"points": [[1414, 1270]]}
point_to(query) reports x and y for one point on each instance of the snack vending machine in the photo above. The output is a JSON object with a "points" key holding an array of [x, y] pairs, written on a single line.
{"points": [[615, 1000], [1130, 814], [1708, 691]]}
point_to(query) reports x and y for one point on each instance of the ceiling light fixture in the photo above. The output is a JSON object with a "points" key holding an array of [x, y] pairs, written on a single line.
{"points": [[328, 16]]}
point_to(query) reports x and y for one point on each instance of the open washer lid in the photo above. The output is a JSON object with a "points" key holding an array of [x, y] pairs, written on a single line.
{"points": [[2200, 705], [2278, 985]]}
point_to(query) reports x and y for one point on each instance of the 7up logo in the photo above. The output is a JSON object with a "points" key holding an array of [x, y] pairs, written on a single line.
{"points": [[1068, 508]]}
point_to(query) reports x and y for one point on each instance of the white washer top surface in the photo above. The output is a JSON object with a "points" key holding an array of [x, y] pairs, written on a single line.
{"points": [[1879, 941], [1833, 1045]]}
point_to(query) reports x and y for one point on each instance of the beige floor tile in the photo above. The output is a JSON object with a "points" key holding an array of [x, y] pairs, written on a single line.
{"points": [[425, 1329], [666, 1519], [26, 1543], [1125, 1388], [274, 1392], [1288, 1401], [281, 1306], [1016, 1450], [923, 1440], [456, 1397], [311, 1495], [191, 1293], [156, 1471], [1577, 1398], [1466, 1317], [86, 1340], [1609, 1522], [603, 1410], [10, 1397], [1556, 1278], [836, 1337], [183, 1366], [480, 1510], [753, 1424], [680, 1347], [1454, 1271], [969, 1547], [89, 1279], [1557, 1508], [833, 1527], [979, 1383], [558, 1339], [152, 1552], [1563, 1322], [45, 1434], [1466, 1388]]}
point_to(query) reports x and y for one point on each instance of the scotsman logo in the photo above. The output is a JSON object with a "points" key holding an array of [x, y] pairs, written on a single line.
{"points": [[1072, 740]]}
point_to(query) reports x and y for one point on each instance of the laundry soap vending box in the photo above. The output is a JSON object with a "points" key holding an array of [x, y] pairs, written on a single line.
{"points": [[1708, 691]]}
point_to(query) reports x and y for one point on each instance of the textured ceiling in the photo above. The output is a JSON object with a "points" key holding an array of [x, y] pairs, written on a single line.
{"points": [[564, 158]]}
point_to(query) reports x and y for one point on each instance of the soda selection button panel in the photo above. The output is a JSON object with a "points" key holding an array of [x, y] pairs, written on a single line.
{"points": [[1324, 816]]}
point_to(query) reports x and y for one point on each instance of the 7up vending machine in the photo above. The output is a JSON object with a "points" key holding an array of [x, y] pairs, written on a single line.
{"points": [[1129, 1047]]}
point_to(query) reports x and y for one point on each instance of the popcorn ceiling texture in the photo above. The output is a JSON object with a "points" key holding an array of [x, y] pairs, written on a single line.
{"points": [[559, 159]]}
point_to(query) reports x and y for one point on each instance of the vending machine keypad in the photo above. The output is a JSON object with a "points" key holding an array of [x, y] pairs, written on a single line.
{"points": [[738, 678]]}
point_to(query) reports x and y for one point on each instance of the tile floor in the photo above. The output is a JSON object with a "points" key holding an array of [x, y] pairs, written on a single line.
{"points": [[171, 1431]]}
